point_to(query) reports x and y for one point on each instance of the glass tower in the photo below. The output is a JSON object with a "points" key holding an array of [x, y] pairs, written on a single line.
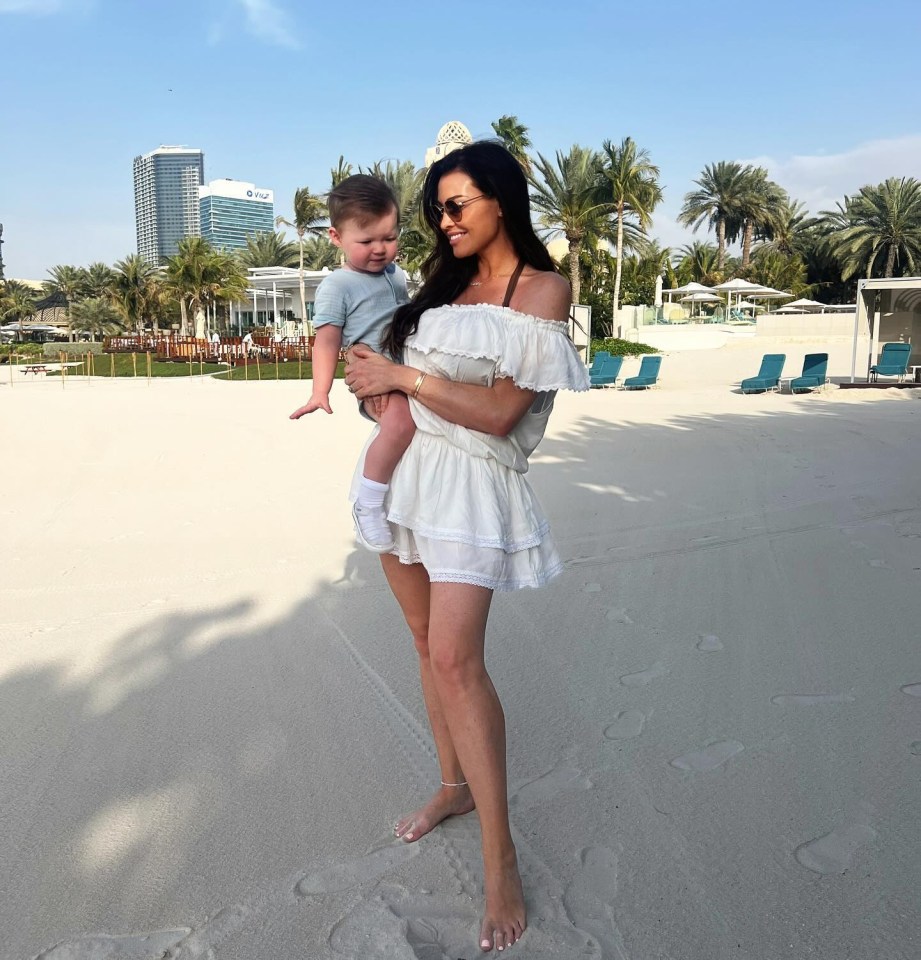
{"points": [[232, 210], [166, 183]]}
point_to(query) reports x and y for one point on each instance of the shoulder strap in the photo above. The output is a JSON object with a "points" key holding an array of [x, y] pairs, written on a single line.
{"points": [[513, 282]]}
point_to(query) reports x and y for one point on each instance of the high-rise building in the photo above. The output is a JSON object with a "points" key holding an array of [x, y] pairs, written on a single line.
{"points": [[232, 210], [166, 183]]}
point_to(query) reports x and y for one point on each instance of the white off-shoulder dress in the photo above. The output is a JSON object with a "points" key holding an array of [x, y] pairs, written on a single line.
{"points": [[459, 502]]}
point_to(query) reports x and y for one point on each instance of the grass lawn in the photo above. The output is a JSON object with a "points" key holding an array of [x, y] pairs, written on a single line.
{"points": [[123, 365]]}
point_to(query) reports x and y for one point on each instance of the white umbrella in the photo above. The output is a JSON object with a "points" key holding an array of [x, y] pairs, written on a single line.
{"points": [[701, 296], [738, 286], [805, 304], [692, 287], [747, 305]]}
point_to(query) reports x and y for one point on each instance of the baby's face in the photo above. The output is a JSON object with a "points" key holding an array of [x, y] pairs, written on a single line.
{"points": [[369, 247]]}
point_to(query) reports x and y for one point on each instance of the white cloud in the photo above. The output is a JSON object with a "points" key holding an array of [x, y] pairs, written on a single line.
{"points": [[266, 20], [820, 181]]}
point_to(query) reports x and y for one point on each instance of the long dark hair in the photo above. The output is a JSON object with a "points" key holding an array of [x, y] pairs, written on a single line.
{"points": [[497, 174]]}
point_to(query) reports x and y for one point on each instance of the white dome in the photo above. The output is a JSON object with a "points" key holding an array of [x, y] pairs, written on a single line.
{"points": [[454, 132]]}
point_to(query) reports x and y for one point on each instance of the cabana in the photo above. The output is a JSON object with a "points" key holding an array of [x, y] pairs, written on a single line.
{"points": [[888, 311]]}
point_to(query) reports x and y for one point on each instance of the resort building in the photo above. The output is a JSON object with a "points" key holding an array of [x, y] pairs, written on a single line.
{"points": [[166, 209], [451, 136], [232, 210]]}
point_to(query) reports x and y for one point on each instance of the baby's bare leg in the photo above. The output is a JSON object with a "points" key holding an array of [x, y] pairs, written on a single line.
{"points": [[397, 429]]}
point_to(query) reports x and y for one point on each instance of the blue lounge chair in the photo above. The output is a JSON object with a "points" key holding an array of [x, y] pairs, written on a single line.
{"points": [[768, 376], [608, 373], [597, 361], [814, 375], [893, 362], [648, 375]]}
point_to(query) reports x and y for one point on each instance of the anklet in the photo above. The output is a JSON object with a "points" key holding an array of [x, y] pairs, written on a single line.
{"points": [[463, 783]]}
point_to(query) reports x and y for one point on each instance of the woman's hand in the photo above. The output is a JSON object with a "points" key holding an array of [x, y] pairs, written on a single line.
{"points": [[368, 374]]}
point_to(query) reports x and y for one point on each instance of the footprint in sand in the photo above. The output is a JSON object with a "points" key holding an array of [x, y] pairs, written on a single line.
{"points": [[626, 724], [709, 757], [811, 699], [617, 615], [834, 852], [915, 748], [141, 946], [912, 689], [341, 876], [564, 776], [709, 643], [646, 676]]}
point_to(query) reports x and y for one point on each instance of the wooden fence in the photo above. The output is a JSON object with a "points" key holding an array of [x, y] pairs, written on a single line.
{"points": [[230, 349]]}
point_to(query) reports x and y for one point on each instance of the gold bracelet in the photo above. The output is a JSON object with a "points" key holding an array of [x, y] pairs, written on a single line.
{"points": [[417, 386]]}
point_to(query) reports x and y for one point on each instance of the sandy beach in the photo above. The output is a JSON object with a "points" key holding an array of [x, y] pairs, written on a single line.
{"points": [[210, 715]]}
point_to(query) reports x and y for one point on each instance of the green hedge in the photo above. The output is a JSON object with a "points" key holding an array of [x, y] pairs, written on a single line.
{"points": [[53, 350], [22, 350], [621, 348]]}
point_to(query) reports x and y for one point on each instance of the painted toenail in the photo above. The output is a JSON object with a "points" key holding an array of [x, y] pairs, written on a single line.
{"points": [[484, 943], [409, 836]]}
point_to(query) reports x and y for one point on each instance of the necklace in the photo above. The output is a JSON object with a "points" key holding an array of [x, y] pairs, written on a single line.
{"points": [[479, 283]]}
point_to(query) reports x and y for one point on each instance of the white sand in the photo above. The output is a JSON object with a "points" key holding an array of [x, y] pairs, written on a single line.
{"points": [[209, 711]]}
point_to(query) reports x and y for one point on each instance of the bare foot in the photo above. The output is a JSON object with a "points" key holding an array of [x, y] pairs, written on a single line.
{"points": [[447, 802], [504, 920]]}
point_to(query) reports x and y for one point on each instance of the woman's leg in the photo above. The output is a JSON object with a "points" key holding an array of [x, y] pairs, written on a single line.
{"points": [[410, 586], [476, 724]]}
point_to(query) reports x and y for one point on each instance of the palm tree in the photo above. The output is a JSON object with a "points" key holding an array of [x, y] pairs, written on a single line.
{"points": [[68, 281], [633, 191], [320, 252], [269, 249], [515, 137], [134, 292], [17, 302], [879, 225], [340, 172], [781, 271], [716, 201], [309, 216], [759, 207], [698, 262], [567, 200], [97, 278], [791, 228], [95, 316]]}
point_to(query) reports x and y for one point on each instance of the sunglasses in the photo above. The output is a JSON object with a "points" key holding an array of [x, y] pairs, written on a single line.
{"points": [[454, 208]]}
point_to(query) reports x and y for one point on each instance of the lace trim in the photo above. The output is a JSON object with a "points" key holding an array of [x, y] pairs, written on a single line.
{"points": [[471, 540], [493, 583]]}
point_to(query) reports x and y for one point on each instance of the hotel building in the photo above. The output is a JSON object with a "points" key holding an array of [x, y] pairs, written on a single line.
{"points": [[166, 209]]}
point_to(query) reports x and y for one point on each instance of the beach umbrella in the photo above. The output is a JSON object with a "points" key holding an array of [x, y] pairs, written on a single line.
{"points": [[692, 287], [804, 305], [700, 296]]}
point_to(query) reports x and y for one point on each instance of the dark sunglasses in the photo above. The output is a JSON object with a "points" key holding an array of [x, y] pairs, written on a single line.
{"points": [[454, 208]]}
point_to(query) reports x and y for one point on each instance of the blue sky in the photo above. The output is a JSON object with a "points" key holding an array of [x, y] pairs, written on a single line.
{"points": [[274, 91]]}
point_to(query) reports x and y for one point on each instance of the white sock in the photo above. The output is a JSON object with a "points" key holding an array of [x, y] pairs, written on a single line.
{"points": [[371, 493]]}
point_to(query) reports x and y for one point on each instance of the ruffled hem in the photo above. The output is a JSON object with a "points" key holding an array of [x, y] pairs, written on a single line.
{"points": [[497, 570], [537, 354]]}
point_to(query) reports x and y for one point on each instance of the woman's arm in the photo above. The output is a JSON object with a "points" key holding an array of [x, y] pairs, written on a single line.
{"points": [[495, 410]]}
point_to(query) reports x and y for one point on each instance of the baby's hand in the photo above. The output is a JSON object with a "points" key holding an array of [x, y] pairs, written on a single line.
{"points": [[316, 402]]}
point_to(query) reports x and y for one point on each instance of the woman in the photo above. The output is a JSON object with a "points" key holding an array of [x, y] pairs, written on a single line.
{"points": [[485, 347]]}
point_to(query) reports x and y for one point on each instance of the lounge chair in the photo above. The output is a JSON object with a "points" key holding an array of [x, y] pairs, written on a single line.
{"points": [[648, 375], [597, 361], [814, 375], [893, 362], [768, 376], [608, 373]]}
